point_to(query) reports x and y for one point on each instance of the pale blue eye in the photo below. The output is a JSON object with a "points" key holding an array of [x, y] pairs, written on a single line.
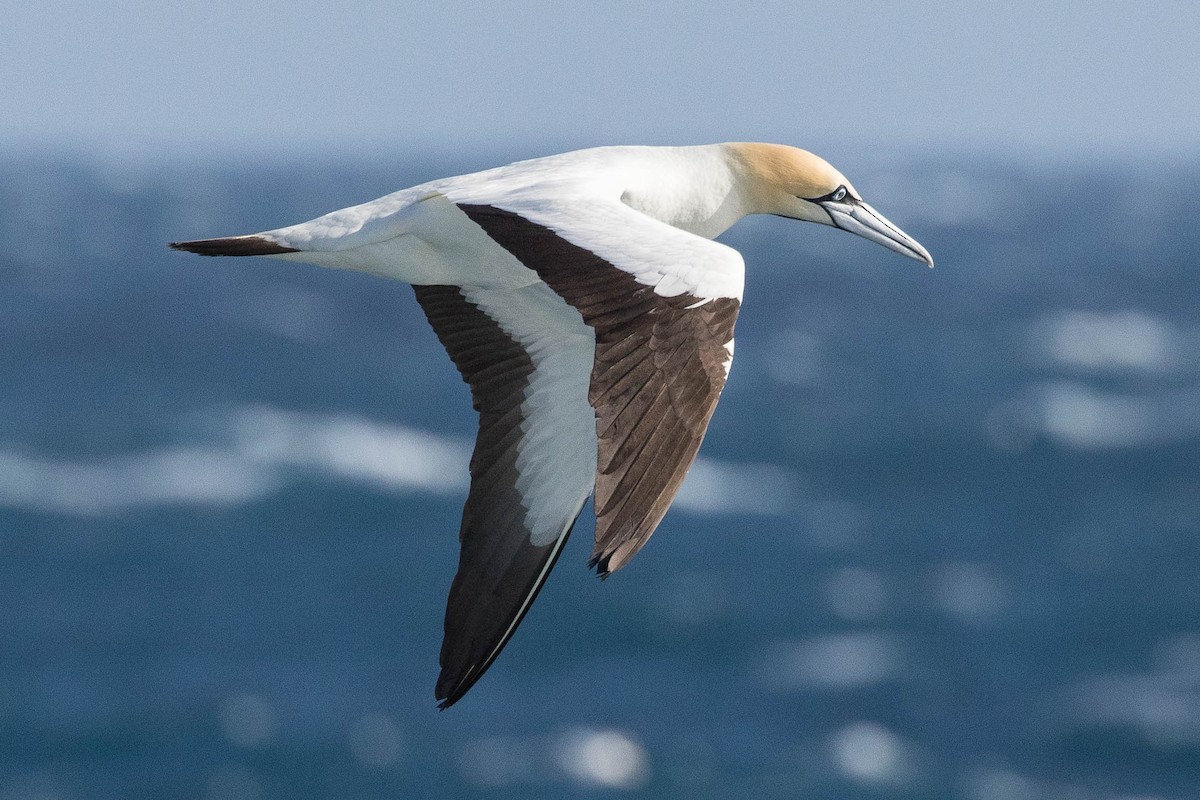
{"points": [[840, 194]]}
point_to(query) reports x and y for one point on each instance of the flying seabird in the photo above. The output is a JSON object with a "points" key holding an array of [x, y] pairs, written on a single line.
{"points": [[585, 304]]}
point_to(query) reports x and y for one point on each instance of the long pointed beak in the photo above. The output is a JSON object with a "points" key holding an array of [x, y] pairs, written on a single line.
{"points": [[859, 218]]}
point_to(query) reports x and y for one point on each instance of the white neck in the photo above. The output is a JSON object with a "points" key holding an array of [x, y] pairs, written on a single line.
{"points": [[692, 188]]}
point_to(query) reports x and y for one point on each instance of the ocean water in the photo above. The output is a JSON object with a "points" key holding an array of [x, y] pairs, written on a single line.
{"points": [[943, 540]]}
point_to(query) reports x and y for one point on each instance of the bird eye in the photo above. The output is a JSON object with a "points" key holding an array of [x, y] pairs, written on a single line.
{"points": [[839, 195]]}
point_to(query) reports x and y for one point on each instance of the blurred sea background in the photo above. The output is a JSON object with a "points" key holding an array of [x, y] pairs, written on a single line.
{"points": [[942, 541]]}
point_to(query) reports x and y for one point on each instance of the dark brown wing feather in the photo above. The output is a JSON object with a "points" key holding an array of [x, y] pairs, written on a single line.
{"points": [[500, 571], [658, 372]]}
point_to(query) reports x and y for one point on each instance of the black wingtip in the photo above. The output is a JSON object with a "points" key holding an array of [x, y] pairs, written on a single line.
{"points": [[454, 682], [449, 695], [234, 246], [600, 564]]}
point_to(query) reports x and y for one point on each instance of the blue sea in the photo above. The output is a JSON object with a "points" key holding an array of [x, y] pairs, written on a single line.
{"points": [[943, 540]]}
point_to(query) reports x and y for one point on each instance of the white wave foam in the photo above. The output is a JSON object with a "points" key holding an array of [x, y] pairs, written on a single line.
{"points": [[384, 455], [263, 449], [1159, 708], [1081, 417], [608, 759], [185, 475], [260, 449], [721, 487], [869, 753], [968, 592], [1122, 340], [837, 661]]}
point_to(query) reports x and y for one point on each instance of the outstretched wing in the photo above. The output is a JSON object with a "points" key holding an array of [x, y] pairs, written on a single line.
{"points": [[663, 347], [527, 357], [604, 373]]}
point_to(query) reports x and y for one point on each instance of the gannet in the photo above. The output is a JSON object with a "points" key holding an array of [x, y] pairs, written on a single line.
{"points": [[585, 304]]}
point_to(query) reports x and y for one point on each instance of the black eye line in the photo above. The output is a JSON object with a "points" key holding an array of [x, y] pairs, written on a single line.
{"points": [[846, 197]]}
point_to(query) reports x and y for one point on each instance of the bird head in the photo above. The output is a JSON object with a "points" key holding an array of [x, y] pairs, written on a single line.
{"points": [[790, 182]]}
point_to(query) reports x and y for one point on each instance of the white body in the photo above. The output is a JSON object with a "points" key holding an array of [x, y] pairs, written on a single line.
{"points": [[649, 210]]}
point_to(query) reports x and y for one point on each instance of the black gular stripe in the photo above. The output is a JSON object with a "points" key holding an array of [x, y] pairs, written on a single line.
{"points": [[499, 571], [658, 372]]}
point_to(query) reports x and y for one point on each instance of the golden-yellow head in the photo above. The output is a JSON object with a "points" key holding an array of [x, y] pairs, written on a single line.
{"points": [[790, 182], [787, 169]]}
